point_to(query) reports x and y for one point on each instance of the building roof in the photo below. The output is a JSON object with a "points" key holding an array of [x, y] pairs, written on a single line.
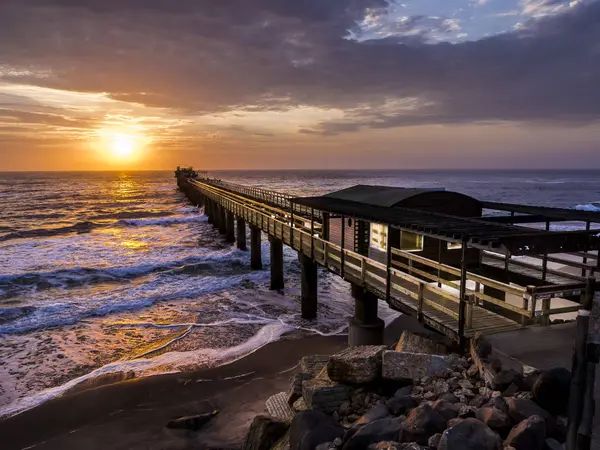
{"points": [[544, 213], [478, 233], [386, 196]]}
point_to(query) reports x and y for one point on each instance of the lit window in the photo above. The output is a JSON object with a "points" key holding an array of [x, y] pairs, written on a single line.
{"points": [[411, 242], [379, 236], [454, 245]]}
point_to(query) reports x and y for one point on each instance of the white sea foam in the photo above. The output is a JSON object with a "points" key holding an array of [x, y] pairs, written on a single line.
{"points": [[154, 366], [591, 207]]}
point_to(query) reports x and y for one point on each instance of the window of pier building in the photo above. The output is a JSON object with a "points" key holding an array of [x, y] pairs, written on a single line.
{"points": [[411, 242]]}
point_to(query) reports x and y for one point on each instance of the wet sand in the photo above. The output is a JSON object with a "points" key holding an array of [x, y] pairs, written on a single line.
{"points": [[133, 414]]}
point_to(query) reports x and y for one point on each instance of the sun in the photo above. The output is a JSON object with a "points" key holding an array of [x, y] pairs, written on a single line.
{"points": [[122, 146]]}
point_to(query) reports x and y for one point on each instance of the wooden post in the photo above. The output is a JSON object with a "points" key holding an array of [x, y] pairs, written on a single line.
{"points": [[587, 228], [342, 256], [525, 306], [469, 313], [388, 273], [545, 310], [241, 233], [439, 271], [579, 369], [312, 233], [421, 294], [463, 287]]}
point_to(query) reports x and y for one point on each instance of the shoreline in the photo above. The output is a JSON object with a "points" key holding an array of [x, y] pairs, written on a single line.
{"points": [[133, 413]]}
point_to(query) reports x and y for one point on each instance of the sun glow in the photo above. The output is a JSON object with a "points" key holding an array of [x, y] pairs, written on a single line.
{"points": [[121, 147]]}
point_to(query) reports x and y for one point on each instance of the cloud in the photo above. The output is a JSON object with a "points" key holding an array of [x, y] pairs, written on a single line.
{"points": [[211, 57]]}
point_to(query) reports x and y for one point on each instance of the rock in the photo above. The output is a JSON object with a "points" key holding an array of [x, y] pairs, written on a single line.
{"points": [[530, 434], [401, 405], [560, 431], [478, 401], [411, 342], [469, 434], [356, 365], [324, 396], [264, 432], [337, 442], [378, 412], [324, 446], [344, 409], [465, 411], [429, 396], [466, 384], [278, 407], [485, 391], [434, 440], [453, 422], [510, 391], [421, 423], [448, 397], [551, 390], [473, 371], [483, 348], [379, 430], [299, 405], [311, 428], [453, 383], [552, 444], [503, 379], [411, 446], [296, 387], [530, 376], [520, 409], [402, 365], [464, 392], [283, 443], [406, 390], [498, 403], [194, 422], [440, 387], [312, 365], [446, 410], [494, 418], [385, 445]]}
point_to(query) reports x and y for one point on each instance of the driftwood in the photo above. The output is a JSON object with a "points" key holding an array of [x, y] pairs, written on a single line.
{"points": [[481, 351]]}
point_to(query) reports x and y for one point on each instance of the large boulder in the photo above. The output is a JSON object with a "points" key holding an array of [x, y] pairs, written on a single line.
{"points": [[323, 395], [312, 365], [412, 342], [520, 409], [530, 434], [421, 423], [377, 412], [403, 365], [503, 379], [551, 390], [356, 365], [264, 432], [379, 430], [494, 418], [311, 428], [469, 434], [401, 405], [445, 409], [279, 408]]}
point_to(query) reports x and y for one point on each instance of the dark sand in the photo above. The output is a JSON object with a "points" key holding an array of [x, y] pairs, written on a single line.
{"points": [[133, 414]]}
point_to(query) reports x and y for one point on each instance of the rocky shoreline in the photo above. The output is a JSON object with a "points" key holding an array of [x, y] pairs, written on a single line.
{"points": [[415, 396]]}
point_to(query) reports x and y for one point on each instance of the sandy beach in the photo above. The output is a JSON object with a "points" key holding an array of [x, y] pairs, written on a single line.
{"points": [[133, 414]]}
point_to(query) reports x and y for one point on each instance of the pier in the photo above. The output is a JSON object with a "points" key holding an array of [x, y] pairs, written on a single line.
{"points": [[458, 265]]}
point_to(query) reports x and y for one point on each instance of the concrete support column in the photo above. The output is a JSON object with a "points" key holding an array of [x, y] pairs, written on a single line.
{"points": [[308, 280], [365, 327], [276, 263], [222, 220], [230, 234], [255, 250], [241, 233], [326, 225]]}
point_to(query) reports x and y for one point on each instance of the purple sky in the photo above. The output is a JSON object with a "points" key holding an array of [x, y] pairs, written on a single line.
{"points": [[237, 84]]}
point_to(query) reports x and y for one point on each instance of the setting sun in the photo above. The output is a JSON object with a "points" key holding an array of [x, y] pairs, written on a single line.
{"points": [[122, 145]]}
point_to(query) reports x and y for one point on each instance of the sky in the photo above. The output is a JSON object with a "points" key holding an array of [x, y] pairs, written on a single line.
{"points": [[299, 84]]}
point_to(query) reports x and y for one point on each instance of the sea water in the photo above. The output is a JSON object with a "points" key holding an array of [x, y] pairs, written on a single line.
{"points": [[105, 272]]}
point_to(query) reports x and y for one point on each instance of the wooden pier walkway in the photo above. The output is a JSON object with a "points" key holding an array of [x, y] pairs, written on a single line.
{"points": [[408, 283]]}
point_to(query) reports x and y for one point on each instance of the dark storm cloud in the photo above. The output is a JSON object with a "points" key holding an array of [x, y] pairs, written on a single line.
{"points": [[210, 56]]}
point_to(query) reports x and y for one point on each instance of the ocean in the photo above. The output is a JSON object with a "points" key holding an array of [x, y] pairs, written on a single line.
{"points": [[105, 272]]}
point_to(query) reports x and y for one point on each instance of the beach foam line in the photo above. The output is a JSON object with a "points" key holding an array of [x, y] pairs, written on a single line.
{"points": [[177, 361]]}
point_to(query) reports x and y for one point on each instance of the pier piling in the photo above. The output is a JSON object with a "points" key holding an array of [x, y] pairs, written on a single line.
{"points": [[241, 233], [276, 263], [230, 227], [365, 327], [255, 249], [222, 220], [308, 286]]}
